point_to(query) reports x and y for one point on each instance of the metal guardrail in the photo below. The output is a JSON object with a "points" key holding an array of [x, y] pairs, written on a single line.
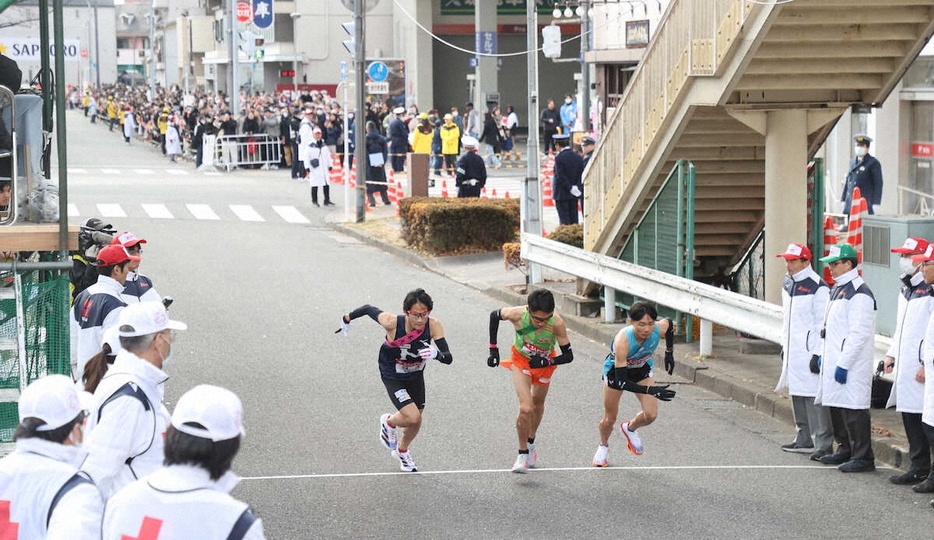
{"points": [[748, 315], [8, 216], [692, 40], [231, 151]]}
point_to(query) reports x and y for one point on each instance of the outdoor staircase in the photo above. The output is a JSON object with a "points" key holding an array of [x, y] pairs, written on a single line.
{"points": [[711, 69]]}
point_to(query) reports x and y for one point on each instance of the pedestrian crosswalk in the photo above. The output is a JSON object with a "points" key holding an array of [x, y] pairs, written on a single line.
{"points": [[78, 171], [200, 212]]}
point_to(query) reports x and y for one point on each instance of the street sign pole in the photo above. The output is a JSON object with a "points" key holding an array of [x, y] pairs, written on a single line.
{"points": [[233, 51], [531, 206]]}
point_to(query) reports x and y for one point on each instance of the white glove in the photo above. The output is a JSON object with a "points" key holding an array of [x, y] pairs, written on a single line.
{"points": [[428, 352], [576, 191], [473, 182], [876, 208], [345, 327]]}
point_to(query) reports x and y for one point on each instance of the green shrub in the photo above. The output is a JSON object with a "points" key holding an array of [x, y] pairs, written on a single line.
{"points": [[572, 235], [452, 225]]}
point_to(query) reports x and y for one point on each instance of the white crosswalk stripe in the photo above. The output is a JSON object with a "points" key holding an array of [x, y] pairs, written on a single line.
{"points": [[202, 211], [290, 214], [144, 171], [157, 211], [77, 171], [246, 212], [110, 210], [110, 171], [177, 172], [73, 210]]}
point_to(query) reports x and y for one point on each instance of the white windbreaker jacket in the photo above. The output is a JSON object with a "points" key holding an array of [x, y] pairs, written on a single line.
{"points": [[804, 301], [915, 304]]}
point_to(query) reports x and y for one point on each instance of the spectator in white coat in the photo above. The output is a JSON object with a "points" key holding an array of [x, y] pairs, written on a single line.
{"points": [[173, 142], [804, 300], [130, 419], [846, 366], [915, 305], [926, 260], [194, 484], [317, 159], [129, 125], [41, 490]]}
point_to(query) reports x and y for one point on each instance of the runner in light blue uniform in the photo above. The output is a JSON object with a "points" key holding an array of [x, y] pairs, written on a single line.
{"points": [[638, 341]]}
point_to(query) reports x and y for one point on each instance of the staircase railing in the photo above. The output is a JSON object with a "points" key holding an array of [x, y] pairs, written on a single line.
{"points": [[692, 40], [664, 237]]}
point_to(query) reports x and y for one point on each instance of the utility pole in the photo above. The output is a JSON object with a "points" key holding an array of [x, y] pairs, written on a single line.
{"points": [[233, 51], [585, 68], [359, 134], [531, 208], [152, 51]]}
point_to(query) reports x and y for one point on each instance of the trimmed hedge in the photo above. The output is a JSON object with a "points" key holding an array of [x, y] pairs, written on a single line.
{"points": [[573, 235], [442, 226]]}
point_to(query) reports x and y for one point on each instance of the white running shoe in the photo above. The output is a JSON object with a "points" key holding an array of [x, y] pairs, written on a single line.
{"points": [[632, 439], [387, 435], [601, 458], [522, 464], [406, 463], [533, 457]]}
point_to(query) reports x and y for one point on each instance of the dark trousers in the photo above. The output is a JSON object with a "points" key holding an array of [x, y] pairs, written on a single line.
{"points": [[567, 211], [327, 194], [112, 122], [199, 157], [296, 163], [919, 449], [398, 162], [548, 143], [383, 191], [852, 429]]}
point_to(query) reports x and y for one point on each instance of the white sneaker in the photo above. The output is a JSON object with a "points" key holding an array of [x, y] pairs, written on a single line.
{"points": [[601, 458], [387, 435], [522, 464], [533, 457], [632, 439], [406, 463]]}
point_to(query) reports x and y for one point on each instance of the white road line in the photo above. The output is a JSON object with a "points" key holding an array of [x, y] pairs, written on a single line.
{"points": [[111, 210], [144, 171], [110, 171], [246, 212], [213, 173], [177, 171], [550, 469], [202, 211], [290, 214], [73, 210], [157, 211], [77, 171]]}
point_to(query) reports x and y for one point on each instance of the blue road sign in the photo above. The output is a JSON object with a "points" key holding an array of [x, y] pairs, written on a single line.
{"points": [[486, 42], [378, 71], [262, 13]]}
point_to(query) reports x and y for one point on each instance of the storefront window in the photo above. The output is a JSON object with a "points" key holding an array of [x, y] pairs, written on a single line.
{"points": [[920, 74], [917, 198]]}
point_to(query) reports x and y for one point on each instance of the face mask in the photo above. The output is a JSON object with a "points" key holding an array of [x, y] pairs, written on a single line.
{"points": [[454, 114], [167, 358], [907, 265], [860, 151], [568, 101]]}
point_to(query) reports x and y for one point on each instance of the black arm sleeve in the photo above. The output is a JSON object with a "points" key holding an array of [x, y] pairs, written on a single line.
{"points": [[566, 356], [495, 317], [372, 312], [670, 336], [444, 352]]}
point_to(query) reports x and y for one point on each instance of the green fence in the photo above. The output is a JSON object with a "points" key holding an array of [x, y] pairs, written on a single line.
{"points": [[664, 237], [46, 298]]}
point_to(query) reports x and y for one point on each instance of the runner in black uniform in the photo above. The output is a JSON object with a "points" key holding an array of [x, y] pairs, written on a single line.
{"points": [[402, 360]]}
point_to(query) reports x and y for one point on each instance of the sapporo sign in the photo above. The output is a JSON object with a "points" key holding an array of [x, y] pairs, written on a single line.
{"points": [[30, 49]]}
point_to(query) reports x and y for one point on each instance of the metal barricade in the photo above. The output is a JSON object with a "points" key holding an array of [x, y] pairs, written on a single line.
{"points": [[8, 206], [231, 151]]}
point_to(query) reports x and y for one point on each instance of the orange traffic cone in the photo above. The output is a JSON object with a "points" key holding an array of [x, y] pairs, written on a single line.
{"points": [[444, 188], [494, 192], [831, 238]]}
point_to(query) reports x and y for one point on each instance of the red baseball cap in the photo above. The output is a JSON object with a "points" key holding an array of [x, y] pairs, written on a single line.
{"points": [[796, 251], [127, 240], [912, 246], [928, 255], [113, 255]]}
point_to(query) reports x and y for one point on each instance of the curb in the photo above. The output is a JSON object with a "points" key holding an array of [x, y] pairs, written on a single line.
{"points": [[886, 449]]}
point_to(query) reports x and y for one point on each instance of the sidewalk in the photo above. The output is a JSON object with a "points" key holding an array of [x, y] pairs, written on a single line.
{"points": [[748, 379]]}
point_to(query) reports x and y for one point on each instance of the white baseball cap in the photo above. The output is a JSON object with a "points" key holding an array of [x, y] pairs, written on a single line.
{"points": [[146, 318], [217, 409], [112, 338], [469, 142], [52, 399], [399, 110]]}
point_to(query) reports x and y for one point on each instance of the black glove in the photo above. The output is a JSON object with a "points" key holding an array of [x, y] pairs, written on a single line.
{"points": [[493, 359], [661, 392], [670, 362], [815, 363], [537, 361]]}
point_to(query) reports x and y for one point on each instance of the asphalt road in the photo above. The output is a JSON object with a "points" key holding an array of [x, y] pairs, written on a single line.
{"points": [[262, 300]]}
